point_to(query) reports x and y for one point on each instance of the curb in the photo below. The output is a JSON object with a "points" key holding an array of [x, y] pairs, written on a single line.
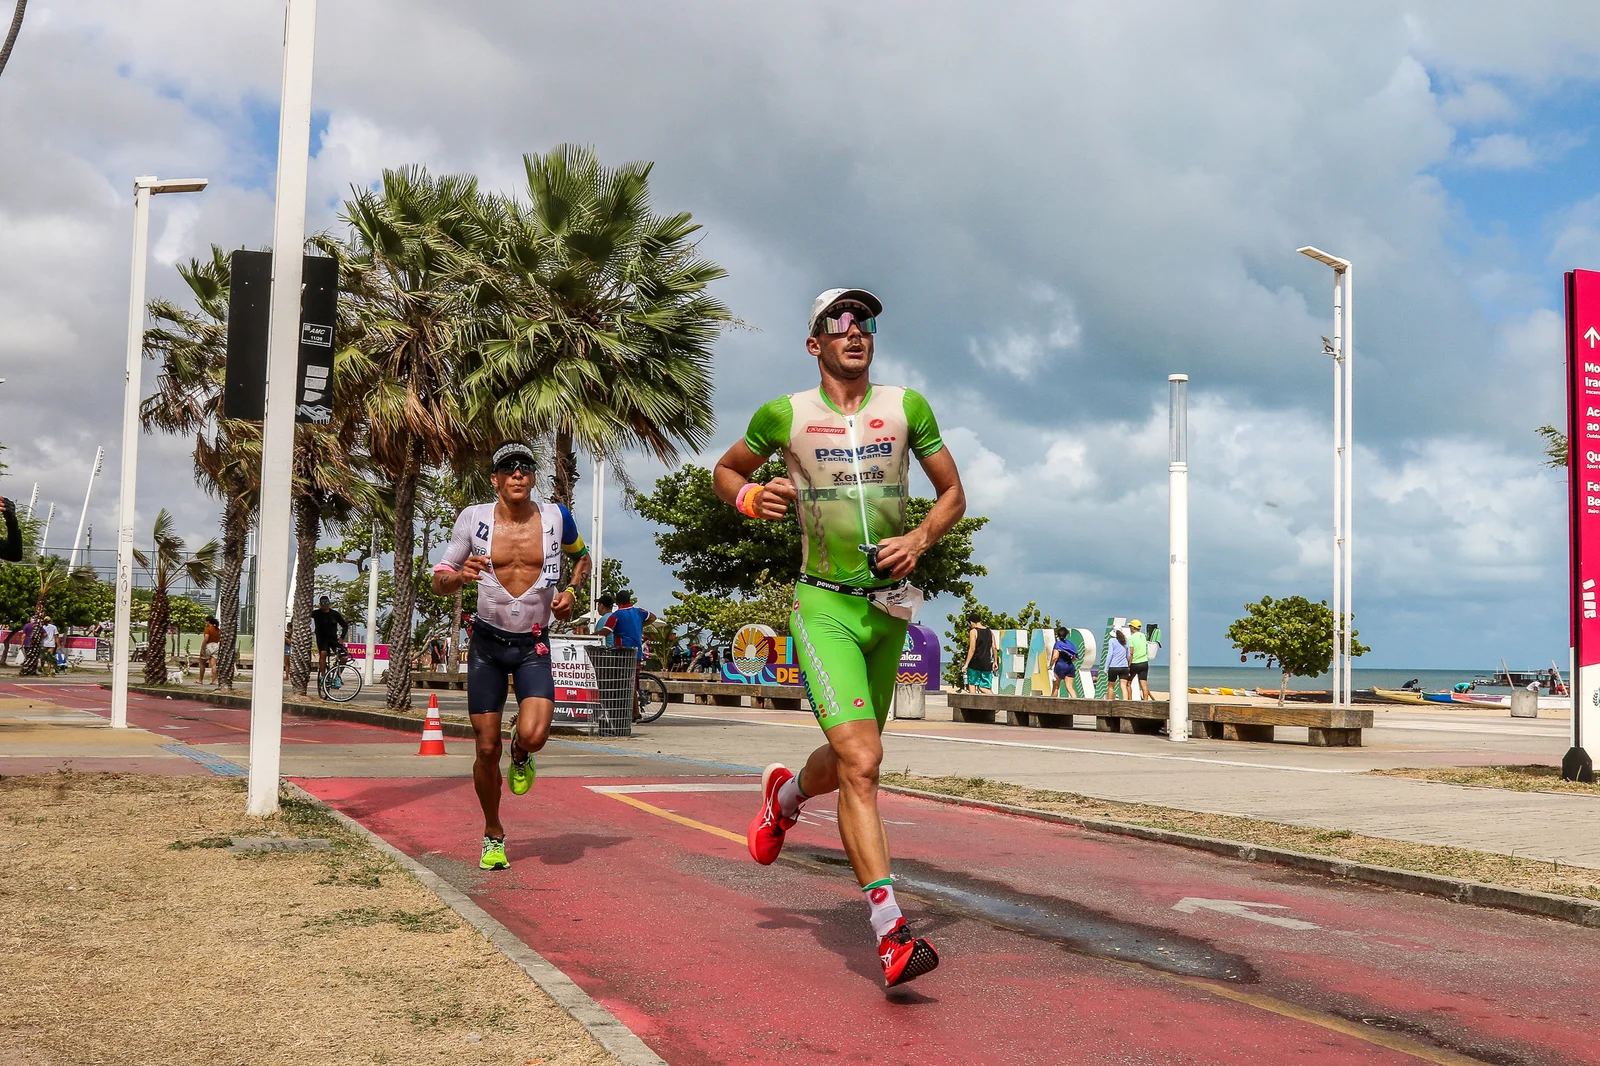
{"points": [[1457, 890], [340, 712], [598, 1022]]}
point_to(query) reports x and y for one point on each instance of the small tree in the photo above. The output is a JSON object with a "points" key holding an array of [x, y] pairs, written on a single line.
{"points": [[53, 576], [1293, 633], [722, 617], [166, 561], [1555, 446]]}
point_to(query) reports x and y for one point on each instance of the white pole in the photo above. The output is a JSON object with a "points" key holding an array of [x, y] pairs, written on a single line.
{"points": [[1349, 477], [122, 635], [99, 454], [1336, 688], [372, 609], [594, 548], [32, 500], [600, 525], [45, 532], [1178, 566], [277, 431]]}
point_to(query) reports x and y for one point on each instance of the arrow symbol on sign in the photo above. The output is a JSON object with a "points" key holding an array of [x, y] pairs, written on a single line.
{"points": [[1592, 336], [1242, 909]]}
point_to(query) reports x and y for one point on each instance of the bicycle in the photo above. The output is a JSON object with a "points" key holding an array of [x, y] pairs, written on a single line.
{"points": [[342, 681], [652, 697]]}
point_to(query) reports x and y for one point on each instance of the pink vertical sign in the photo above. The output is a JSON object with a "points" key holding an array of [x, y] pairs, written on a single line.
{"points": [[1583, 480]]}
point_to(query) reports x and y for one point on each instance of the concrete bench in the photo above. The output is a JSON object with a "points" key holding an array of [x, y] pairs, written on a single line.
{"points": [[732, 694], [1327, 726]]}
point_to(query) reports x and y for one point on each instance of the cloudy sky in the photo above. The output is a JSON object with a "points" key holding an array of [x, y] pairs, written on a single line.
{"points": [[1060, 203]]}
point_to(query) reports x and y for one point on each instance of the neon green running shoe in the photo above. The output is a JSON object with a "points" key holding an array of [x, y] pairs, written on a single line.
{"points": [[494, 855], [521, 775]]}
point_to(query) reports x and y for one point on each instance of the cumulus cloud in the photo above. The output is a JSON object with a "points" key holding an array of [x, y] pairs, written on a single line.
{"points": [[1112, 193]]}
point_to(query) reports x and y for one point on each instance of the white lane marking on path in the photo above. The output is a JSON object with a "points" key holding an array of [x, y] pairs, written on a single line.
{"points": [[1241, 909], [1045, 747], [1555, 727], [634, 790]]}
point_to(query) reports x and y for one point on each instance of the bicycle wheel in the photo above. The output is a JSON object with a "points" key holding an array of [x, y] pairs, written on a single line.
{"points": [[652, 697], [343, 683]]}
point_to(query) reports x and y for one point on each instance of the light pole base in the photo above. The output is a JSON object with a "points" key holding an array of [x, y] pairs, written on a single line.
{"points": [[1577, 766]]}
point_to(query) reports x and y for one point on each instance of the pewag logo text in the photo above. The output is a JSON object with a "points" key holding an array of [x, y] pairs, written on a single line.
{"points": [[882, 450]]}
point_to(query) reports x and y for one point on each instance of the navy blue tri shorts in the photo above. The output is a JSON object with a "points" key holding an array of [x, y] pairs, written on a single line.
{"points": [[495, 655]]}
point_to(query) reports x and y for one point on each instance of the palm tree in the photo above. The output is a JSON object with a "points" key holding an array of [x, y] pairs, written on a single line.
{"points": [[167, 562], [54, 575], [605, 331], [413, 313], [329, 487], [11, 37], [193, 352]]}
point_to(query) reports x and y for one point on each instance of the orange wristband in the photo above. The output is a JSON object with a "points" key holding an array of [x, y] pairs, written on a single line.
{"points": [[747, 498]]}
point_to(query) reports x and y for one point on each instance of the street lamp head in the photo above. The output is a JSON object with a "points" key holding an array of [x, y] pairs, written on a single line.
{"points": [[1177, 377], [161, 185], [1341, 265]]}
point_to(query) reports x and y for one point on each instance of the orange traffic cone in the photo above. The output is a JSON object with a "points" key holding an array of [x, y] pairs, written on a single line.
{"points": [[432, 730]]}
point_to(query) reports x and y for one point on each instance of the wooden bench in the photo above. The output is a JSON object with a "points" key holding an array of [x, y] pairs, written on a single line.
{"points": [[732, 694], [437, 679], [1326, 725]]}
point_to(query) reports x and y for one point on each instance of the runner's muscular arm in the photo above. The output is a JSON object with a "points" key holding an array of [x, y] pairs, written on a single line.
{"points": [[733, 473], [899, 555]]}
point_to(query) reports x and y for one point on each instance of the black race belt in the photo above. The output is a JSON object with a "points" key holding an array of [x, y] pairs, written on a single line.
{"points": [[847, 590]]}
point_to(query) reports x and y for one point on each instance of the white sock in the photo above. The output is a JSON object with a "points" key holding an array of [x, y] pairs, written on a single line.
{"points": [[885, 911], [790, 797]]}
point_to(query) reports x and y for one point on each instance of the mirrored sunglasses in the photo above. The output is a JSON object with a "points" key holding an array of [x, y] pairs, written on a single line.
{"points": [[511, 466], [835, 326]]}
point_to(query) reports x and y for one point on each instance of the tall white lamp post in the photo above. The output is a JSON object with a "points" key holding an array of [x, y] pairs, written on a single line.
{"points": [[1341, 348], [121, 636], [1178, 561], [598, 529], [94, 471], [372, 611], [277, 428]]}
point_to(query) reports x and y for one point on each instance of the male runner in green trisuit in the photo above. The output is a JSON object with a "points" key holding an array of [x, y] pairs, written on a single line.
{"points": [[848, 446]]}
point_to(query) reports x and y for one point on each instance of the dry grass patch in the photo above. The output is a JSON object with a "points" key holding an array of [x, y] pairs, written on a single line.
{"points": [[132, 935], [1488, 867], [1531, 778]]}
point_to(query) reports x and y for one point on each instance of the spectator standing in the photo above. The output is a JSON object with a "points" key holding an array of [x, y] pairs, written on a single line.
{"points": [[602, 612], [1139, 658], [49, 643], [210, 641], [1119, 672], [981, 662], [626, 624], [1063, 660]]}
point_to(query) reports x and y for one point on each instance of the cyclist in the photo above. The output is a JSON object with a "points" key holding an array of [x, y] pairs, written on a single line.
{"points": [[513, 549], [331, 631], [848, 445]]}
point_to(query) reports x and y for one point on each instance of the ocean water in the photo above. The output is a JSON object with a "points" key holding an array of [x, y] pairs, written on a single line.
{"points": [[1258, 677]]}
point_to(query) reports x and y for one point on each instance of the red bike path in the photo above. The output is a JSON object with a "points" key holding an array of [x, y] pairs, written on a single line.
{"points": [[1059, 945]]}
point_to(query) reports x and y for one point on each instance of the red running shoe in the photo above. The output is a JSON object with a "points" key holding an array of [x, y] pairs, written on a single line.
{"points": [[765, 835], [905, 956]]}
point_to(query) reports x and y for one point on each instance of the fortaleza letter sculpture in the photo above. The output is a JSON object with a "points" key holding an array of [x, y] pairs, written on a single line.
{"points": [[758, 656], [1025, 660]]}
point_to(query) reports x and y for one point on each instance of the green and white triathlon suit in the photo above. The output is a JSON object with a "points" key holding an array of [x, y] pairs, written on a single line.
{"points": [[851, 472]]}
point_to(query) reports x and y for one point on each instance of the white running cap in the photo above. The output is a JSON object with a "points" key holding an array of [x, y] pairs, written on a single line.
{"points": [[833, 296]]}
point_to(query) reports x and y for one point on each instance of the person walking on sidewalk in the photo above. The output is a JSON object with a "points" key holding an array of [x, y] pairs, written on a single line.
{"points": [[848, 445], [513, 549], [210, 641], [1139, 658], [1118, 670], [981, 661]]}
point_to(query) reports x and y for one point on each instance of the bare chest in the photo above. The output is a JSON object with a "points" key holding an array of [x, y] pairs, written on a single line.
{"points": [[517, 552]]}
